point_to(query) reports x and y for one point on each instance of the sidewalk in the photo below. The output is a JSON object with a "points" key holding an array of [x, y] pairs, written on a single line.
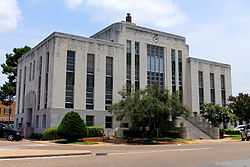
{"points": [[31, 153]]}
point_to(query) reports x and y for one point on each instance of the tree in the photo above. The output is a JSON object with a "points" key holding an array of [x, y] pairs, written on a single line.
{"points": [[217, 114], [241, 106], [72, 127], [9, 68], [153, 109]]}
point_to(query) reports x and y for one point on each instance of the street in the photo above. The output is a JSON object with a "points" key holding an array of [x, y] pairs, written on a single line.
{"points": [[206, 154]]}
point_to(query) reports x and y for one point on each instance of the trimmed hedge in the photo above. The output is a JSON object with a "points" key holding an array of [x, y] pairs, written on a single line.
{"points": [[36, 136], [94, 132], [50, 134], [72, 127], [231, 132]]}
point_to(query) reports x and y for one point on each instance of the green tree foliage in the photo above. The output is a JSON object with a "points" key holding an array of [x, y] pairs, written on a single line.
{"points": [[72, 127], [241, 106], [153, 108], [217, 114], [9, 68]]}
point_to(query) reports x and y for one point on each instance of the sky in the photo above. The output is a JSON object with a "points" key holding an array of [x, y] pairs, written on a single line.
{"points": [[217, 30]]}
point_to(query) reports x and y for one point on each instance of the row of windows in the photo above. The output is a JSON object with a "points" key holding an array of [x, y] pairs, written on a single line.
{"points": [[212, 89], [90, 81], [90, 121], [31, 76]]}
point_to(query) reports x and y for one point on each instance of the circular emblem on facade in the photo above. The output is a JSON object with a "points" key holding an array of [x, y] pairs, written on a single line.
{"points": [[156, 38]]}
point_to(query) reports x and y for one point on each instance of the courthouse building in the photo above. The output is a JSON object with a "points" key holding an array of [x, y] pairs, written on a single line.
{"points": [[67, 72]]}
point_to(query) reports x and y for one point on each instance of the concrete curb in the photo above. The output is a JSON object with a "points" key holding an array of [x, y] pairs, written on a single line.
{"points": [[44, 155]]}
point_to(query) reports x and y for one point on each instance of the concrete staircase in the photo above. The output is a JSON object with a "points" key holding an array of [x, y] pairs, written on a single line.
{"points": [[197, 128]]}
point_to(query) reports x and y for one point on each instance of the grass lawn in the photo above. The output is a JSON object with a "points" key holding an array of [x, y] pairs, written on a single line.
{"points": [[235, 137], [62, 141]]}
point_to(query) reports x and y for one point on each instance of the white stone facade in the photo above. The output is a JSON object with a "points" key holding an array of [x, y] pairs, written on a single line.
{"points": [[110, 42]]}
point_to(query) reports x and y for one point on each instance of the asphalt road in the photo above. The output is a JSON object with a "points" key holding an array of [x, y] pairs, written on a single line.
{"points": [[210, 154]]}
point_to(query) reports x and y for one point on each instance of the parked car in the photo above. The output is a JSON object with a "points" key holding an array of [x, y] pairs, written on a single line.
{"points": [[245, 133], [9, 133], [240, 127]]}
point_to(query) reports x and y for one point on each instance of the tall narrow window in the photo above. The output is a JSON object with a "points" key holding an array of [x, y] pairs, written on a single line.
{"points": [[39, 83], [90, 81], [129, 52], [46, 82], [180, 75], [37, 121], [34, 69], [19, 90], [201, 89], [173, 70], [223, 91], [30, 72], [90, 120], [155, 69], [137, 65], [24, 87], [109, 122], [70, 79], [109, 82], [212, 88], [44, 121]]}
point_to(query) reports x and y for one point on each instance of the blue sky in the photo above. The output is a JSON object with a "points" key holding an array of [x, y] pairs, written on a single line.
{"points": [[217, 30]]}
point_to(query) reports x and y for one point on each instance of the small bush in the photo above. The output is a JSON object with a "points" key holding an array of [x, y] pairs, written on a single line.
{"points": [[50, 134], [94, 132], [72, 127], [36, 136], [231, 132]]}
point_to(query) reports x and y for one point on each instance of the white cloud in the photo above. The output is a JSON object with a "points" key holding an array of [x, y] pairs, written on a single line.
{"points": [[157, 13], [73, 4], [10, 15]]}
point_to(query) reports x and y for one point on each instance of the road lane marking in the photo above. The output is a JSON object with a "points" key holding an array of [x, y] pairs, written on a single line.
{"points": [[158, 151]]}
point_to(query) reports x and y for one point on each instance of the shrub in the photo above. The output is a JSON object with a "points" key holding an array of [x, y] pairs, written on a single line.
{"points": [[50, 134], [72, 127], [37, 136], [231, 132], [94, 132]]}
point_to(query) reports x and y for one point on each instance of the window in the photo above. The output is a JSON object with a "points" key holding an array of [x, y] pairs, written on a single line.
{"points": [[19, 90], [129, 52], [109, 122], [137, 65], [90, 81], [109, 82], [30, 72], [180, 75], [212, 88], [34, 69], [46, 82], [90, 120], [6, 111], [155, 69], [24, 87], [223, 91], [70, 79], [173, 63], [37, 121], [201, 89], [44, 121], [39, 83]]}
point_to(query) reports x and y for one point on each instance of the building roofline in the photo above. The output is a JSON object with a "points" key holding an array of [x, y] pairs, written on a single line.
{"points": [[134, 26], [208, 62], [71, 36]]}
